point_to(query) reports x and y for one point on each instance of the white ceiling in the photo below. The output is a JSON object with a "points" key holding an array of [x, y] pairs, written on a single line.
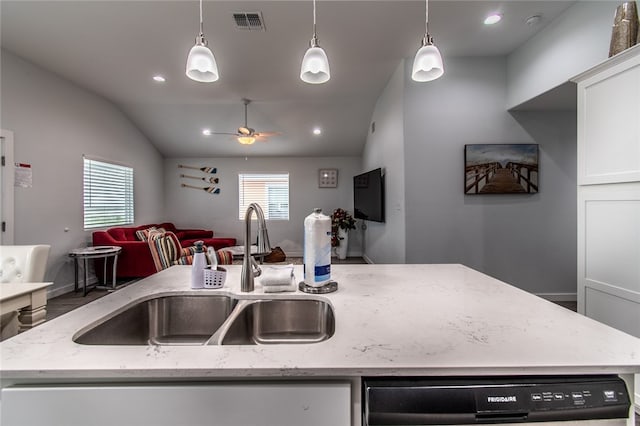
{"points": [[114, 47]]}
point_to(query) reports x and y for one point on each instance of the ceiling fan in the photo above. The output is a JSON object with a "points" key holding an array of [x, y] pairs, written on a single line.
{"points": [[245, 134]]}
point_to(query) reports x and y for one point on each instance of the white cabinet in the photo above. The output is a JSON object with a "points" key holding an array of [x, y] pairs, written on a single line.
{"points": [[213, 404], [609, 192]]}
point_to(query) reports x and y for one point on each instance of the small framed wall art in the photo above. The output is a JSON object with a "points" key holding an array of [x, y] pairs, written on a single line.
{"points": [[501, 169], [328, 178]]}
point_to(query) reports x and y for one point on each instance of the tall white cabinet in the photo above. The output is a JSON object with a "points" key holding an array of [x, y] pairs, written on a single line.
{"points": [[609, 192]]}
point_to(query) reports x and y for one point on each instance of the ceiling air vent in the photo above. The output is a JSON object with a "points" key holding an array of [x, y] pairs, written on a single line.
{"points": [[249, 21]]}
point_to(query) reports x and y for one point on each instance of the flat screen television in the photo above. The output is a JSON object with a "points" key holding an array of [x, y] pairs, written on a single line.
{"points": [[368, 196]]}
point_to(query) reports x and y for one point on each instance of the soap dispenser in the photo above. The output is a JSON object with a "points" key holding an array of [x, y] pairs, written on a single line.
{"points": [[197, 268]]}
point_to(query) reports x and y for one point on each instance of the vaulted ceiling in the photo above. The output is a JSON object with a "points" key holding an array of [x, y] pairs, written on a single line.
{"points": [[113, 48]]}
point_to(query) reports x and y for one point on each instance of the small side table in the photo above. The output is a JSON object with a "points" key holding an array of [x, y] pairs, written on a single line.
{"points": [[96, 252]]}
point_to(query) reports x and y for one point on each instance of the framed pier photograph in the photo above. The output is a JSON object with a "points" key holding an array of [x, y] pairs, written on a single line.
{"points": [[501, 169]]}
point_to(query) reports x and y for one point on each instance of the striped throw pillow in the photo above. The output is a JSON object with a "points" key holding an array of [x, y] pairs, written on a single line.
{"points": [[143, 234], [225, 257], [165, 249]]}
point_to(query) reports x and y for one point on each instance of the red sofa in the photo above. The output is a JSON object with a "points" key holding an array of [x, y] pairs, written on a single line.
{"points": [[135, 260]]}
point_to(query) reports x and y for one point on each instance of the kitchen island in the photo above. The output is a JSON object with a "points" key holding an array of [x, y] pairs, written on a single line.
{"points": [[390, 320]]}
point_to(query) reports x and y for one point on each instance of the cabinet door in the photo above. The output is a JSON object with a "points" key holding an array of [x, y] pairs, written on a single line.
{"points": [[609, 255], [609, 124], [220, 404]]}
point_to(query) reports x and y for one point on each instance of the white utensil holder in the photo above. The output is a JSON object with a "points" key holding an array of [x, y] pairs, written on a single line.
{"points": [[214, 278]]}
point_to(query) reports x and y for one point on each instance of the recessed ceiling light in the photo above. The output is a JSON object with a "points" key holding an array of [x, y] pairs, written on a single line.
{"points": [[159, 78], [206, 132], [492, 19], [317, 131]]}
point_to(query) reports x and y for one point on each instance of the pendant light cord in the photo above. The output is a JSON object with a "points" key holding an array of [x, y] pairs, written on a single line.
{"points": [[426, 17], [201, 31], [314, 19]]}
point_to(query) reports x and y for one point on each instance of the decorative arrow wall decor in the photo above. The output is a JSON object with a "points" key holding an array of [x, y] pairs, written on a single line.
{"points": [[209, 179], [209, 189], [211, 170]]}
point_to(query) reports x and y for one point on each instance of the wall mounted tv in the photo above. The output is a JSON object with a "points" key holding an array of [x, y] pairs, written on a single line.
{"points": [[368, 196]]}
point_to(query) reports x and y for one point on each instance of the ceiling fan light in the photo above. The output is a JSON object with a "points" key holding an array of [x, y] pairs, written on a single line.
{"points": [[315, 66], [201, 64], [427, 64], [246, 140]]}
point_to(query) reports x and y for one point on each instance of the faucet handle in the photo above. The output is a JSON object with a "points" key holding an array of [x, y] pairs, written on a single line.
{"points": [[255, 267]]}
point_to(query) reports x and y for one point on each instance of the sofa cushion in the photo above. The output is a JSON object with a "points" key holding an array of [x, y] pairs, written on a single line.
{"points": [[168, 226], [193, 234], [217, 243], [117, 234], [126, 233]]}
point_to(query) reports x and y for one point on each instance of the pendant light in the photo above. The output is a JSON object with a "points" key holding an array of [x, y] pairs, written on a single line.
{"points": [[201, 64], [427, 64], [315, 64]]}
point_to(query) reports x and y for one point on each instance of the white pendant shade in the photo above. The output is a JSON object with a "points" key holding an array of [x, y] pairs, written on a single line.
{"points": [[315, 66], [427, 64], [201, 64]]}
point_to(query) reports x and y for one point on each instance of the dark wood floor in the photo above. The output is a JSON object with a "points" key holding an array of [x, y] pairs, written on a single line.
{"points": [[69, 301]]}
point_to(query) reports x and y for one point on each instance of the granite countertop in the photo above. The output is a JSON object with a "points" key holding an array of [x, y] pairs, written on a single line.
{"points": [[390, 320]]}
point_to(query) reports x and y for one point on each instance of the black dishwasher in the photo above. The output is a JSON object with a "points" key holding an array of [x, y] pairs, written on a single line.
{"points": [[410, 401]]}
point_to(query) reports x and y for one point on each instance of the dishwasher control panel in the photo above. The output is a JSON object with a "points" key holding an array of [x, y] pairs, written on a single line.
{"points": [[426, 401], [551, 396]]}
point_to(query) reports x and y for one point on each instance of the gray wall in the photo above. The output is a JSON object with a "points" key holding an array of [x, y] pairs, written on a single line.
{"points": [[385, 242], [526, 240], [55, 122], [574, 42], [189, 207]]}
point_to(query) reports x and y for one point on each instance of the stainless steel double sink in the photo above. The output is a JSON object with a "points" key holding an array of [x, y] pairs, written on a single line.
{"points": [[214, 320]]}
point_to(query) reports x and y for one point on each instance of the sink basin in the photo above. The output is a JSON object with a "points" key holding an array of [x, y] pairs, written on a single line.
{"points": [[167, 320], [279, 321], [214, 320]]}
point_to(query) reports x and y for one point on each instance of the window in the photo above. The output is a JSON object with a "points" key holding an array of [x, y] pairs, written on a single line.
{"points": [[108, 194], [270, 191]]}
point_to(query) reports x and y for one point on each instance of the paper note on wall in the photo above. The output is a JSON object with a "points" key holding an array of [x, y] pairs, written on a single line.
{"points": [[23, 175]]}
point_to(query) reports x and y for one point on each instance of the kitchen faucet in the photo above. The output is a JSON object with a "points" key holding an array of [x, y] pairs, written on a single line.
{"points": [[250, 268]]}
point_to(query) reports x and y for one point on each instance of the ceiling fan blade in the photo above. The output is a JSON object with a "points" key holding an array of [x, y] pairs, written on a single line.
{"points": [[266, 134], [261, 138], [224, 133]]}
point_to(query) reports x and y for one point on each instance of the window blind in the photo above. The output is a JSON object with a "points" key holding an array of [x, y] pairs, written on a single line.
{"points": [[270, 191], [108, 194]]}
